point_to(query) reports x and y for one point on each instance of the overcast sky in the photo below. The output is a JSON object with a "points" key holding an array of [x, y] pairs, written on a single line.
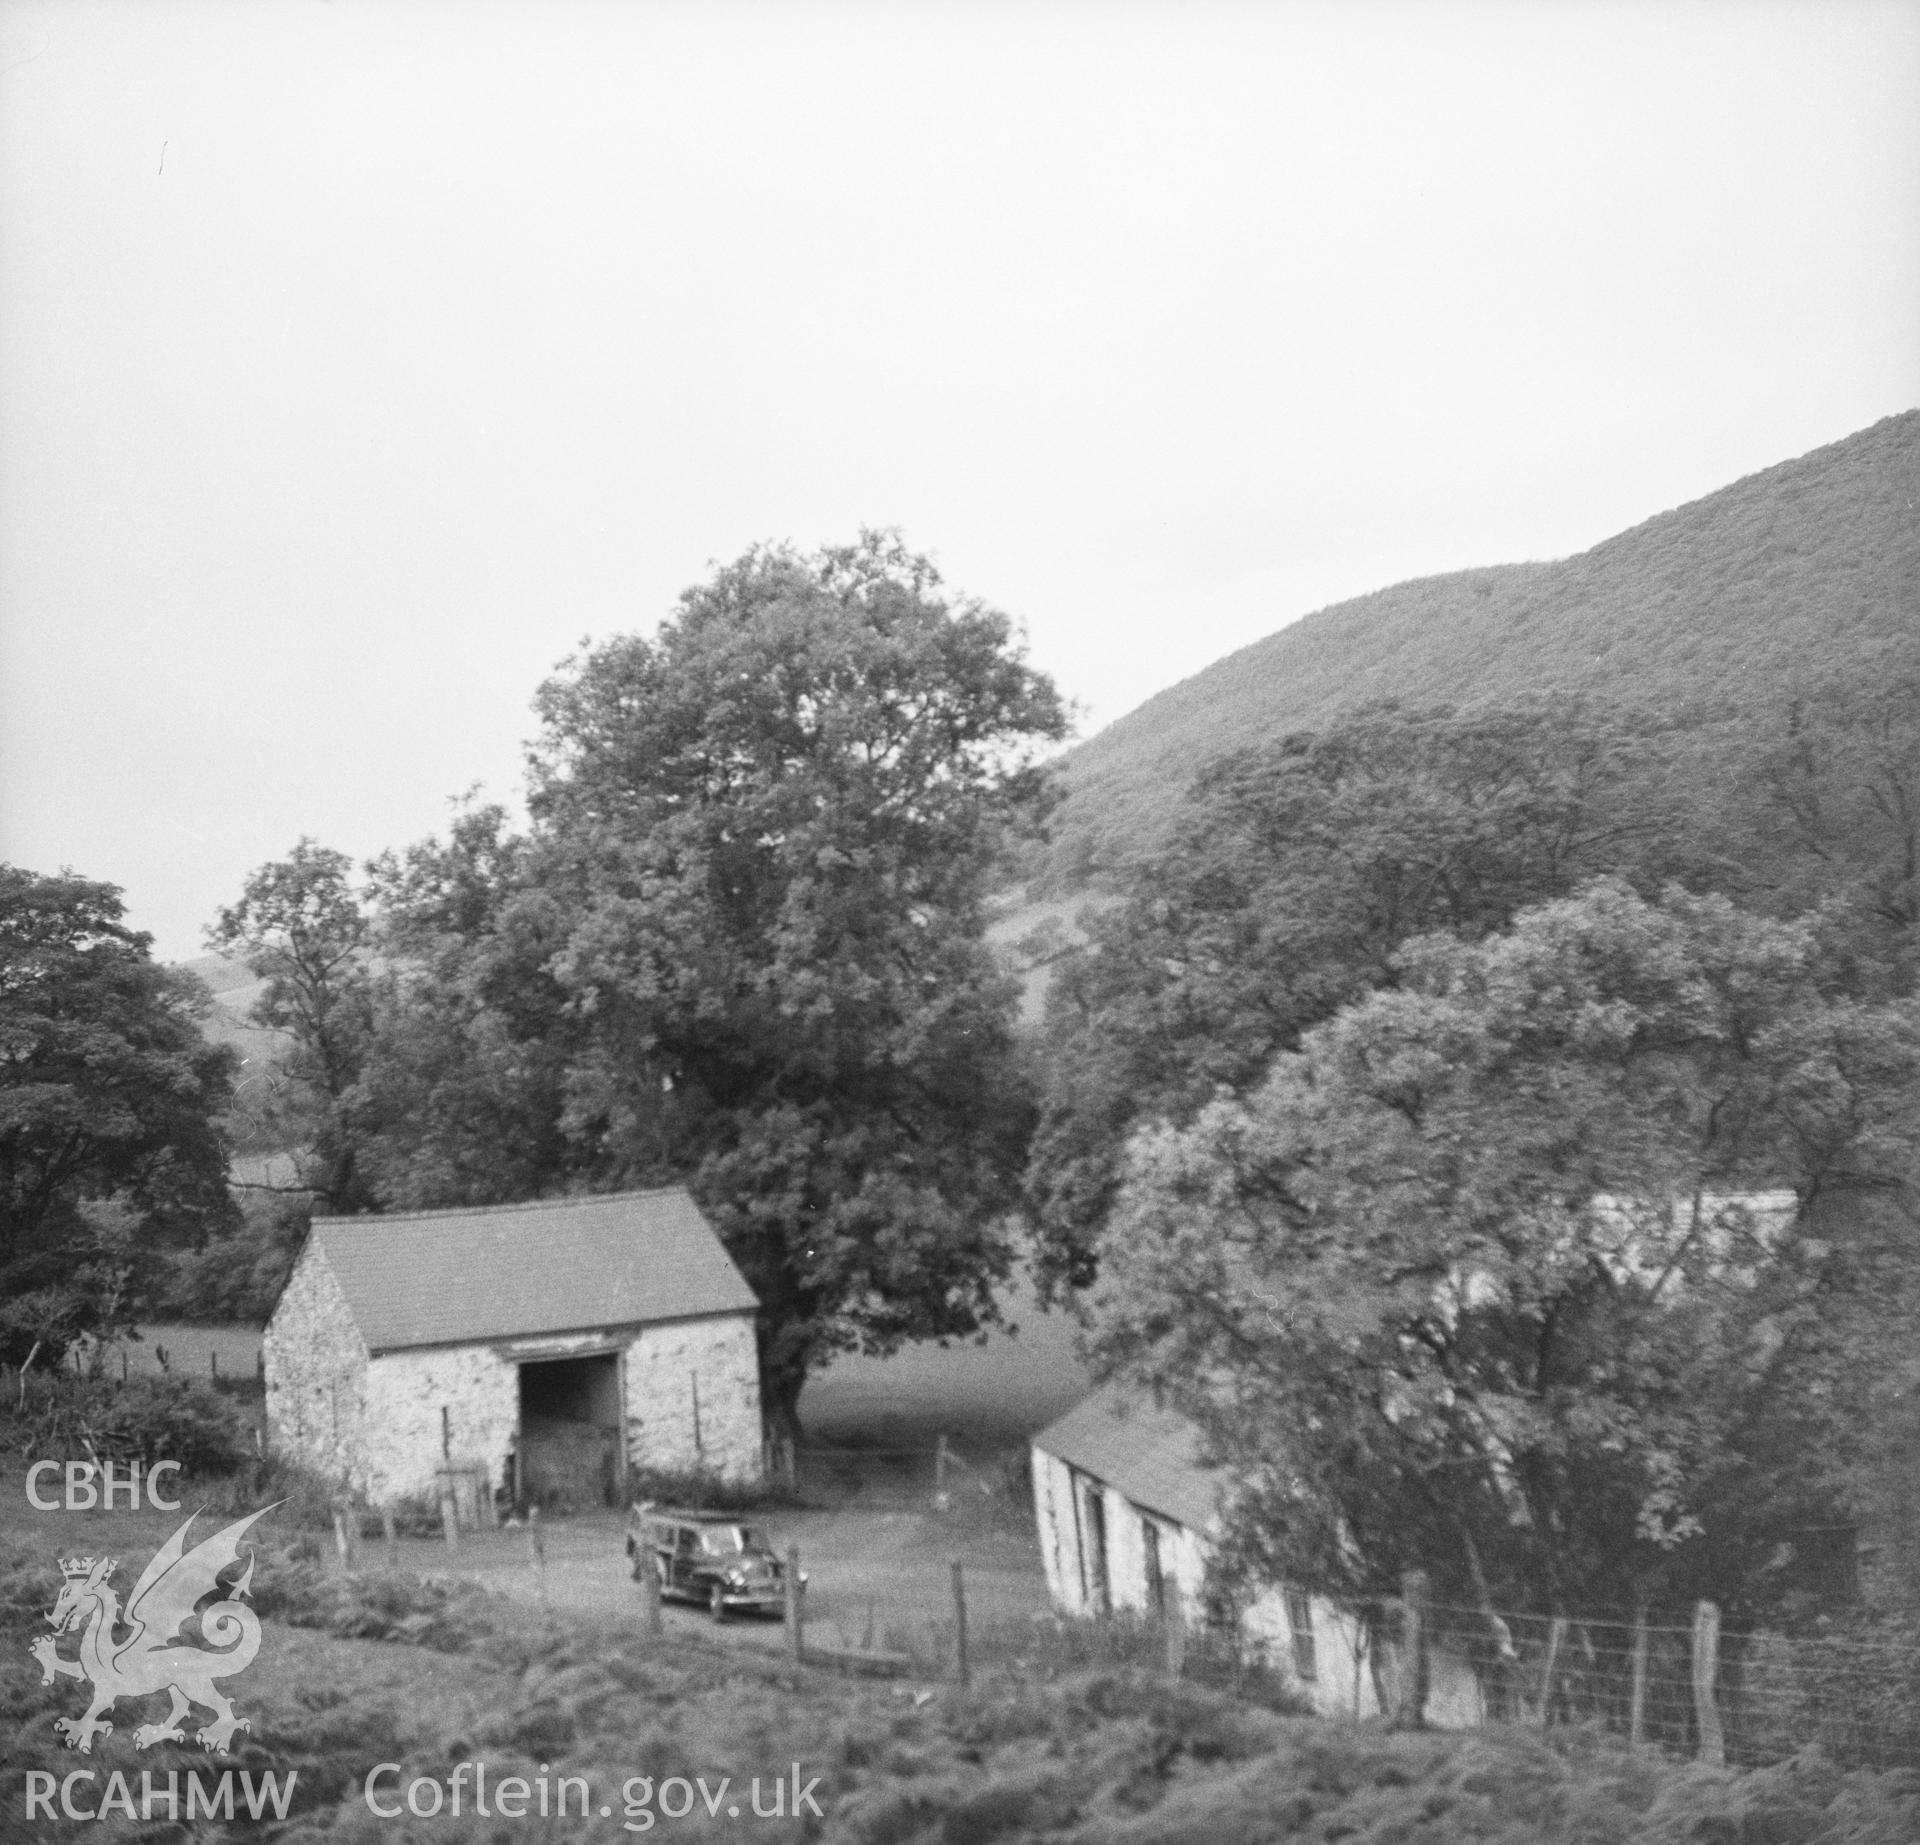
{"points": [[357, 360]]}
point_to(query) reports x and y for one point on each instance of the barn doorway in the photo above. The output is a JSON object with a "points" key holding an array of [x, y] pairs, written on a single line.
{"points": [[570, 1453]]}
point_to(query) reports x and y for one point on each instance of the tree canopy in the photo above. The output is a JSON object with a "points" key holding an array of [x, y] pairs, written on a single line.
{"points": [[741, 945], [110, 1101], [1539, 1270], [301, 926], [1300, 869]]}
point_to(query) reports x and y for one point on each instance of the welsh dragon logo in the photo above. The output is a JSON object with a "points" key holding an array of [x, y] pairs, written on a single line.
{"points": [[182, 1629]]}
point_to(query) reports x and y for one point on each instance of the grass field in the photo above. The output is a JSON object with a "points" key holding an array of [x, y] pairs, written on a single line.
{"points": [[191, 1351], [993, 1393]]}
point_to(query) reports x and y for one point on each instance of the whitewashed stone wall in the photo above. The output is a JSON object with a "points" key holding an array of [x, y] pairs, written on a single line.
{"points": [[479, 1388], [1053, 1512], [316, 1373], [1344, 1680], [665, 1367], [1064, 1537], [476, 1387]]}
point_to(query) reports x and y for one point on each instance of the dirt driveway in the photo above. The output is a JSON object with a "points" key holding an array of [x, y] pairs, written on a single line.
{"points": [[875, 1577]]}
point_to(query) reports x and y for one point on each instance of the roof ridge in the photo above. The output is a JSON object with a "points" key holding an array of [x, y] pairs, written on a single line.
{"points": [[493, 1210]]}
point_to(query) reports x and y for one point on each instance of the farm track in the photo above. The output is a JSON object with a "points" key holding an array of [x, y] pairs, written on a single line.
{"points": [[874, 1576]]}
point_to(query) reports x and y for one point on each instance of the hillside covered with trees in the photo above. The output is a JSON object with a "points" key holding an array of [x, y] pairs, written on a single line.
{"points": [[1802, 578]]}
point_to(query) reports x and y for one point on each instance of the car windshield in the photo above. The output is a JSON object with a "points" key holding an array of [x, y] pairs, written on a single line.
{"points": [[727, 1540]]}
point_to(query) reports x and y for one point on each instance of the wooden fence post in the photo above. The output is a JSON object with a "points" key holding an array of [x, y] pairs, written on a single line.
{"points": [[390, 1536], [1412, 1701], [1706, 1669], [1556, 1638], [650, 1590], [796, 1643], [536, 1548], [346, 1534], [940, 1474], [1637, 1710], [1174, 1628], [960, 1671], [449, 1518]]}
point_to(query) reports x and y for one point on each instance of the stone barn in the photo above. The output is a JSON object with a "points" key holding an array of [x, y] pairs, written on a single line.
{"points": [[552, 1348], [1127, 1511]]}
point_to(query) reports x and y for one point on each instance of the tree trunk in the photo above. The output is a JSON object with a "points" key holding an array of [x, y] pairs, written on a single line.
{"points": [[780, 1388]]}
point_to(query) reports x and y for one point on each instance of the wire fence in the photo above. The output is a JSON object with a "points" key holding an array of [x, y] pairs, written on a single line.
{"points": [[917, 1635], [1743, 1697]]}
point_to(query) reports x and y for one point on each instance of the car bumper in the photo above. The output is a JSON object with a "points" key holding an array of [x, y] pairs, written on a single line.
{"points": [[764, 1600]]}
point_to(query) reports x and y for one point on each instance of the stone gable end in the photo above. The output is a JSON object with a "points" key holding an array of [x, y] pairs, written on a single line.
{"points": [[316, 1371]]}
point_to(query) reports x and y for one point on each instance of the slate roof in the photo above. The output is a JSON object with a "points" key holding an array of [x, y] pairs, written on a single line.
{"points": [[510, 1271], [1150, 1455]]}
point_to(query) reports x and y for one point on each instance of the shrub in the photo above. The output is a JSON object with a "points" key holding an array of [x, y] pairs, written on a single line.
{"points": [[236, 1277], [302, 1499], [166, 1419]]}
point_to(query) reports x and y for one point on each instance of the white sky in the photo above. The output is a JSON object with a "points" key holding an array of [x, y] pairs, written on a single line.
{"points": [[358, 359]]}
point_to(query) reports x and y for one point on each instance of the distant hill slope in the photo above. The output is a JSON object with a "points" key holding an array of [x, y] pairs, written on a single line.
{"points": [[258, 1158], [235, 987], [1801, 575]]}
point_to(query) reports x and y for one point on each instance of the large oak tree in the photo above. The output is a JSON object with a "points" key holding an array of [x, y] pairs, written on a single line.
{"points": [[742, 945], [775, 822]]}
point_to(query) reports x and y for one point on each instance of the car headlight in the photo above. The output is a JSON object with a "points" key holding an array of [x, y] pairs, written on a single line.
{"points": [[736, 1580]]}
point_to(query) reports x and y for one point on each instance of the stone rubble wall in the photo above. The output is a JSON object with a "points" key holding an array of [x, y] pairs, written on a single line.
{"points": [[406, 1441], [667, 1366], [315, 1366]]}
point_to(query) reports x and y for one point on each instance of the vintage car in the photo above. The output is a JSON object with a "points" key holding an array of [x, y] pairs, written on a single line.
{"points": [[706, 1557]]}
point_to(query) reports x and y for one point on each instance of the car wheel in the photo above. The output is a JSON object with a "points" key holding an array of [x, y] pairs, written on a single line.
{"points": [[717, 1602]]}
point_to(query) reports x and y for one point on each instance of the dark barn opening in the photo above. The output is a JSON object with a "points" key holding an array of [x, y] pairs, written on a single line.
{"points": [[569, 1452]]}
